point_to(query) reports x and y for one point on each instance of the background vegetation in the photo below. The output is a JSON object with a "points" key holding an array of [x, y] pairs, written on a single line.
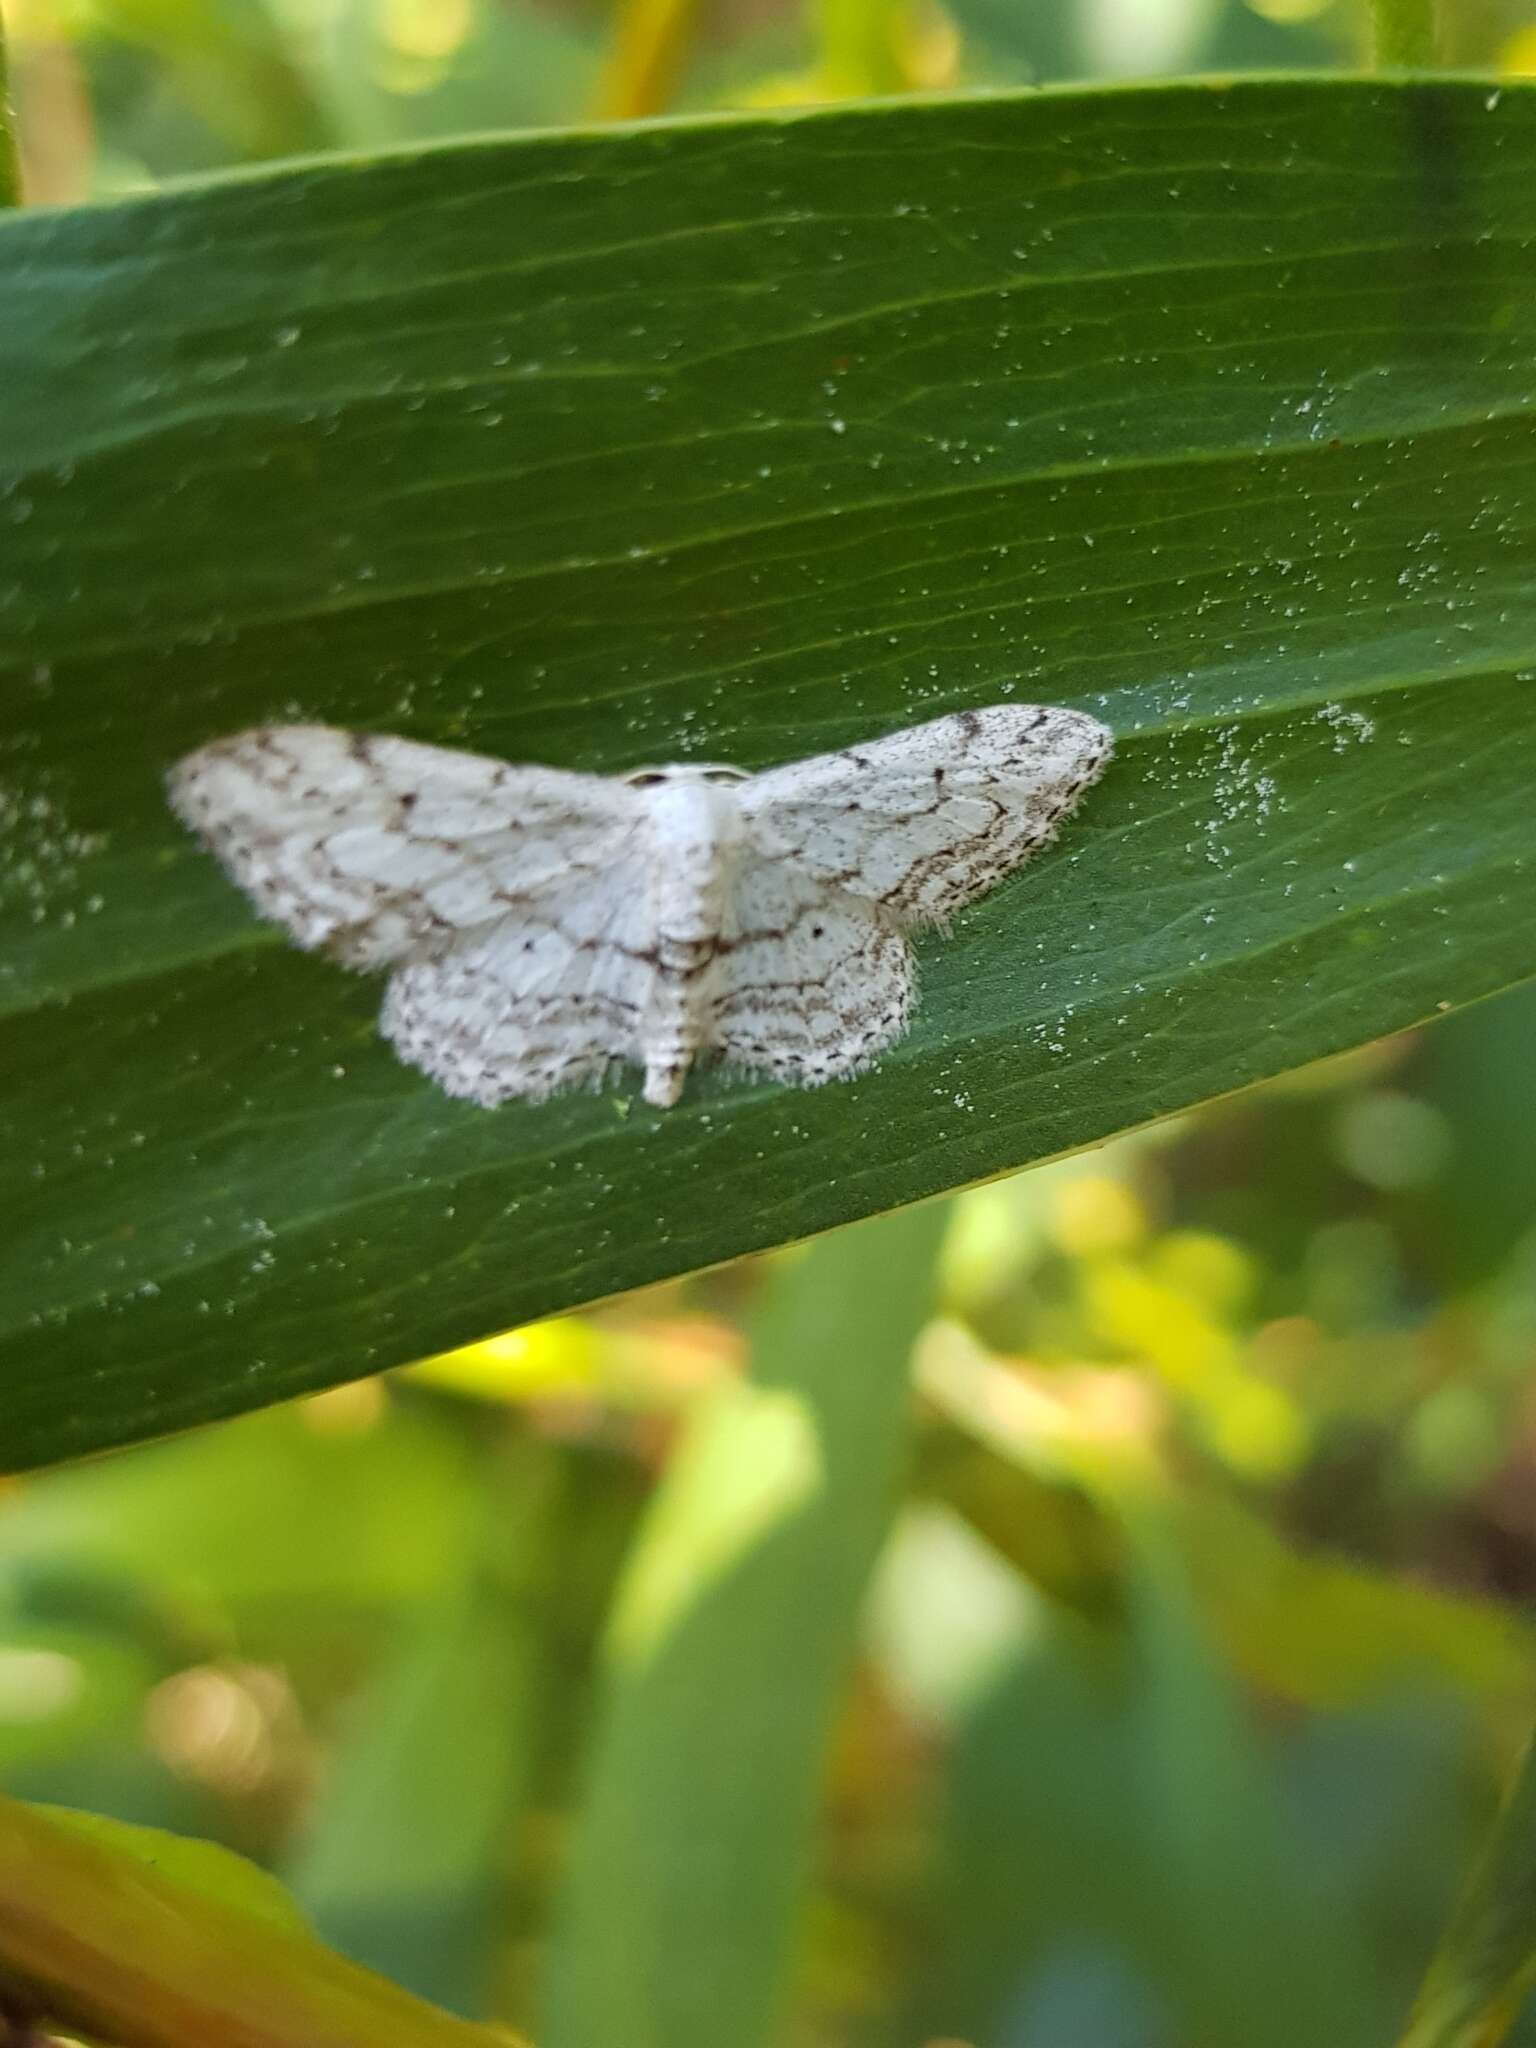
{"points": [[1185, 1678]]}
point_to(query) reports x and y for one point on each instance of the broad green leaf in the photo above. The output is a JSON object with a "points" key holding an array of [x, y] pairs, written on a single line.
{"points": [[1486, 1964], [1204, 407], [729, 1644], [158, 1943]]}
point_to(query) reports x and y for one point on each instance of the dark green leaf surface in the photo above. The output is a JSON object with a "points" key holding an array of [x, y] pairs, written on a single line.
{"points": [[1205, 408]]}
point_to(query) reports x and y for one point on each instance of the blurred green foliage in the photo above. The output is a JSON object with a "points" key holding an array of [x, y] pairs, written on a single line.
{"points": [[118, 94], [1199, 1644]]}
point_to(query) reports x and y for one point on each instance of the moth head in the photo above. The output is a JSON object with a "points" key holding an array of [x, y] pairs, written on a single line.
{"points": [[718, 772]]}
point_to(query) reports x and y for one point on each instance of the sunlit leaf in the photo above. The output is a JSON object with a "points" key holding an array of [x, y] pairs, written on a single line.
{"points": [[158, 1943]]}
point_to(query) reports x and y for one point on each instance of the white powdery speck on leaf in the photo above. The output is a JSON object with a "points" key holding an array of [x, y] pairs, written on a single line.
{"points": [[541, 925]]}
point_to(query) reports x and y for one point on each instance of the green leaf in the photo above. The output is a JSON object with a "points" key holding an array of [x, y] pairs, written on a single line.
{"points": [[730, 1642], [1477, 1072], [156, 1942], [1332, 1631], [1205, 407], [1486, 1963], [402, 1869], [216, 1874], [1243, 1899], [404, 1857], [256, 1518]]}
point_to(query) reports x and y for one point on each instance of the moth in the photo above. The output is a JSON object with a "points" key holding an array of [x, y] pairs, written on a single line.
{"points": [[539, 926]]}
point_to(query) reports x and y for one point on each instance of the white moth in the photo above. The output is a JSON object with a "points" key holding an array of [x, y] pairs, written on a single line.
{"points": [[541, 925]]}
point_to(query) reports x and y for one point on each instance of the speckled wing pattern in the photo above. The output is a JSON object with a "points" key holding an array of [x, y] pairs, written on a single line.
{"points": [[924, 822], [812, 983], [542, 925], [859, 847], [545, 999], [488, 887], [376, 849]]}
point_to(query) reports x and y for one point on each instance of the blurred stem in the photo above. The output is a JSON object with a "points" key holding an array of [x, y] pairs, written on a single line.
{"points": [[10, 164], [728, 1650], [47, 146], [1486, 1961], [649, 49], [860, 45], [1404, 34]]}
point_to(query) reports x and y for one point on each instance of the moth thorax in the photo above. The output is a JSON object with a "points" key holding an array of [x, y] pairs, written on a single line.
{"points": [[718, 772], [694, 820]]}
